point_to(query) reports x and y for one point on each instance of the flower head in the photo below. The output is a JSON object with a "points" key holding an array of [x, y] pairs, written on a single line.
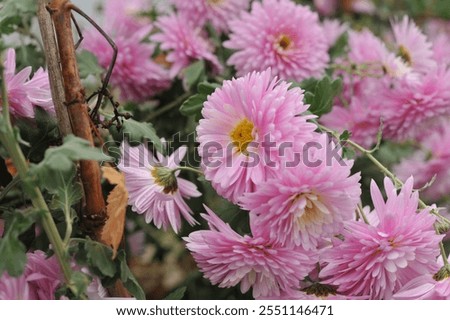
{"points": [[184, 42], [281, 35], [135, 73], [217, 12], [245, 122], [428, 162], [410, 104], [377, 260], [155, 189], [227, 259], [305, 203], [39, 281], [413, 46], [24, 93]]}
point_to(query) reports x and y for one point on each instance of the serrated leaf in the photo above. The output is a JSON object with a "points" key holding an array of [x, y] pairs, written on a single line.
{"points": [[58, 163], [116, 209], [88, 64], [193, 74], [137, 132], [12, 250], [100, 257], [178, 294], [79, 283], [321, 100], [193, 105]]}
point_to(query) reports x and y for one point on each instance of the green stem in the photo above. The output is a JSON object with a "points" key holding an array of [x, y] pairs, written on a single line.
{"points": [[362, 214], [16, 180], [197, 171], [167, 107], [9, 141], [397, 181]]}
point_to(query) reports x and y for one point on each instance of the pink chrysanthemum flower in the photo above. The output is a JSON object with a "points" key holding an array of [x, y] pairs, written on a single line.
{"points": [[412, 103], [24, 93], [378, 260], [154, 189], [413, 46], [217, 12], [227, 259], [39, 281], [308, 202], [358, 118], [432, 160], [126, 14], [281, 35], [135, 73], [245, 124], [333, 29], [184, 43]]}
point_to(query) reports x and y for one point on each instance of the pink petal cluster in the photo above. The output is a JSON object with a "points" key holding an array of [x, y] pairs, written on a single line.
{"points": [[413, 46], [217, 12], [333, 29], [439, 33], [244, 123], [305, 203], [411, 105], [135, 73], [25, 92], [281, 35], [40, 280], [377, 260], [428, 162], [425, 288], [184, 42], [147, 195], [227, 259]]}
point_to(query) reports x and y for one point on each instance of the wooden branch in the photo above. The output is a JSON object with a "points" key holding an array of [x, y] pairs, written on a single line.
{"points": [[94, 216], [53, 67]]}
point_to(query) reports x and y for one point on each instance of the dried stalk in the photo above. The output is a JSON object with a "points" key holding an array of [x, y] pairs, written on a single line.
{"points": [[53, 66], [94, 215]]}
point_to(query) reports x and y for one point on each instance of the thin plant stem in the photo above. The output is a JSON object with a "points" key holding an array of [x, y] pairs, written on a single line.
{"points": [[197, 171], [9, 141], [168, 106]]}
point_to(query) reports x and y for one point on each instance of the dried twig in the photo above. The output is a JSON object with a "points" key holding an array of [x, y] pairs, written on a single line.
{"points": [[53, 66], [94, 215]]}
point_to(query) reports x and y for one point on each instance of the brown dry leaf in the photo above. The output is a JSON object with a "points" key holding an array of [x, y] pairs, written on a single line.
{"points": [[10, 167], [116, 208]]}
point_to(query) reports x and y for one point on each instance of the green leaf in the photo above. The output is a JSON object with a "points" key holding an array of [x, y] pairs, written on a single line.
{"points": [[321, 98], [79, 283], [100, 257], [193, 73], [193, 105], [61, 159], [344, 136], [66, 190], [207, 88], [12, 12], [127, 277], [88, 64], [136, 132], [12, 250], [178, 294], [339, 48]]}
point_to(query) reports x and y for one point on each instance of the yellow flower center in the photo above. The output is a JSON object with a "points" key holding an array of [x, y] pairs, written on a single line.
{"points": [[241, 135], [405, 55], [214, 2], [284, 42]]}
